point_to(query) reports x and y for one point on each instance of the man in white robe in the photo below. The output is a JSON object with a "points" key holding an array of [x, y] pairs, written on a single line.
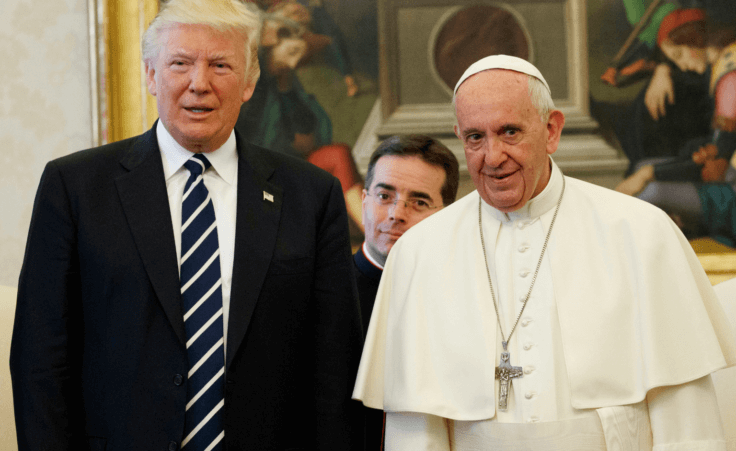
{"points": [[617, 338]]}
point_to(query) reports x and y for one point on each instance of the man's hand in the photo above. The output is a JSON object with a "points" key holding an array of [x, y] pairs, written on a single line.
{"points": [[660, 92], [637, 181]]}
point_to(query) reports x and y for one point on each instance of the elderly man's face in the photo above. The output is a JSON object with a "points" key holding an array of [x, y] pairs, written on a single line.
{"points": [[506, 143], [406, 178], [199, 83]]}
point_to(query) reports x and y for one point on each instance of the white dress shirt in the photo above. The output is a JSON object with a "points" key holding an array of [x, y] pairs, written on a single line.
{"points": [[221, 181]]}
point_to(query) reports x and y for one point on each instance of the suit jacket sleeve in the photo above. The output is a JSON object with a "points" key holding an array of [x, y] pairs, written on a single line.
{"points": [[46, 374], [339, 332]]}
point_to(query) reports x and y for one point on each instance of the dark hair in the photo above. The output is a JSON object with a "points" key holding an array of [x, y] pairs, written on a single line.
{"points": [[719, 35], [691, 34], [429, 150]]}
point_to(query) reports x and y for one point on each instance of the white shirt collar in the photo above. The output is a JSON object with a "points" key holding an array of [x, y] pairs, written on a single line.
{"points": [[370, 258], [224, 160], [538, 205]]}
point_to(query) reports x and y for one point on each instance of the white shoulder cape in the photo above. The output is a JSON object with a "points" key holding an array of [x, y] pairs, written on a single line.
{"points": [[635, 307]]}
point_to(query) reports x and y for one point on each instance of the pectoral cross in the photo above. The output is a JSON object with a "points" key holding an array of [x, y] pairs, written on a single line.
{"points": [[505, 372]]}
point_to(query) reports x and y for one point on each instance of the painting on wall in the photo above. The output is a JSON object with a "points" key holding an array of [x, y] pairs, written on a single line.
{"points": [[646, 87], [318, 84], [663, 88], [325, 85]]}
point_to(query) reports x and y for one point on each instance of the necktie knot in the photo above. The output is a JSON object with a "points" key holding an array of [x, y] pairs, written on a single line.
{"points": [[197, 164]]}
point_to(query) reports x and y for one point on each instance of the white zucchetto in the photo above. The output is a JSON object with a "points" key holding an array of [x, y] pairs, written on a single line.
{"points": [[502, 62]]}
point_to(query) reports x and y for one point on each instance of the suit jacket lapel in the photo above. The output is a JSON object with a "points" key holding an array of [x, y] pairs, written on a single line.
{"points": [[257, 224], [145, 202]]}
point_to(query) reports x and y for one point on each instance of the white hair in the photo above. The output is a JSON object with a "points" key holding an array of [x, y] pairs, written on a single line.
{"points": [[222, 15], [540, 97]]}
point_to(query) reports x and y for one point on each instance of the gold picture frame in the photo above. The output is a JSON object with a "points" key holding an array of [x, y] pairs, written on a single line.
{"points": [[121, 105]]}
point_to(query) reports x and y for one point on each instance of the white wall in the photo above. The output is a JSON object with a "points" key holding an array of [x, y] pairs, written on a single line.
{"points": [[44, 107]]}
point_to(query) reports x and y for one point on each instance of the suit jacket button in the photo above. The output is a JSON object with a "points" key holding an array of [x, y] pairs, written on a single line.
{"points": [[178, 380], [172, 446]]}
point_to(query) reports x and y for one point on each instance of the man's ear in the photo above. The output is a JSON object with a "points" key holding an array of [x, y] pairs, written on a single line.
{"points": [[248, 92], [554, 130], [151, 78]]}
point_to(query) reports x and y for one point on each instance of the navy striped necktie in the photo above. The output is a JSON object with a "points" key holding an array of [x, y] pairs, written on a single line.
{"points": [[201, 293]]}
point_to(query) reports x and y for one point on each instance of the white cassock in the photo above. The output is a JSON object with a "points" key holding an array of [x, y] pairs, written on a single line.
{"points": [[617, 341]]}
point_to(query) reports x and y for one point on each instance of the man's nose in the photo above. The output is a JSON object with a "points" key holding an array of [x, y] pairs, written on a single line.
{"points": [[399, 211], [199, 81], [494, 153]]}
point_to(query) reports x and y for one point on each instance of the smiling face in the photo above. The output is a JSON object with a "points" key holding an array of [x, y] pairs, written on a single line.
{"points": [[199, 82], [506, 143], [407, 177]]}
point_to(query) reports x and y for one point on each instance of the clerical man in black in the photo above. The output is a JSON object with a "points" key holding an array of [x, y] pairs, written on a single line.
{"points": [[409, 178]]}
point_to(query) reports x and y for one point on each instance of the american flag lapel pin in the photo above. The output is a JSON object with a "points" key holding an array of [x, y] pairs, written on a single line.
{"points": [[268, 196]]}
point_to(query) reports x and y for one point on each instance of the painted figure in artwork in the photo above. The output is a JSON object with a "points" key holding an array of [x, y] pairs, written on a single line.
{"points": [[315, 18], [284, 117], [697, 186], [675, 107]]}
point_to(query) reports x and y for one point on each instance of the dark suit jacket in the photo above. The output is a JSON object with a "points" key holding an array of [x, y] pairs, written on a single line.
{"points": [[98, 353], [367, 277]]}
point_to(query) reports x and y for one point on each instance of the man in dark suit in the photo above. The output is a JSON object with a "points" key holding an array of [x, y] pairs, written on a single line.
{"points": [[171, 301], [408, 179]]}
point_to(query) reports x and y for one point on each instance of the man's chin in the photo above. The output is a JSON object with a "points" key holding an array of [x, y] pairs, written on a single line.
{"points": [[505, 202], [201, 140], [388, 246]]}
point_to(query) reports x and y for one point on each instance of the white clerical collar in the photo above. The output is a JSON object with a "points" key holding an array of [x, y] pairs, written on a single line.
{"points": [[370, 258], [538, 205], [174, 155]]}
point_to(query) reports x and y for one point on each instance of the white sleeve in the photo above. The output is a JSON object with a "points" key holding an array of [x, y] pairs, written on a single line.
{"points": [[409, 431], [686, 417]]}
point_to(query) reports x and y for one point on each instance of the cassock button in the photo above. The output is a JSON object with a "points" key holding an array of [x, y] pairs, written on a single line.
{"points": [[528, 369], [178, 380], [523, 273], [523, 248], [529, 395], [527, 347], [525, 323]]}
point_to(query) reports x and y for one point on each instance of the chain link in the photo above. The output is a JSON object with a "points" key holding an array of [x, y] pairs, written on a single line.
{"points": [[534, 279]]}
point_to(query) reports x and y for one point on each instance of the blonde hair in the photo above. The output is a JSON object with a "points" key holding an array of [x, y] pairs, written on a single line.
{"points": [[222, 15]]}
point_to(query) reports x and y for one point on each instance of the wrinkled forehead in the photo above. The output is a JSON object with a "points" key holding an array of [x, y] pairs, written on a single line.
{"points": [[494, 98], [493, 85]]}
